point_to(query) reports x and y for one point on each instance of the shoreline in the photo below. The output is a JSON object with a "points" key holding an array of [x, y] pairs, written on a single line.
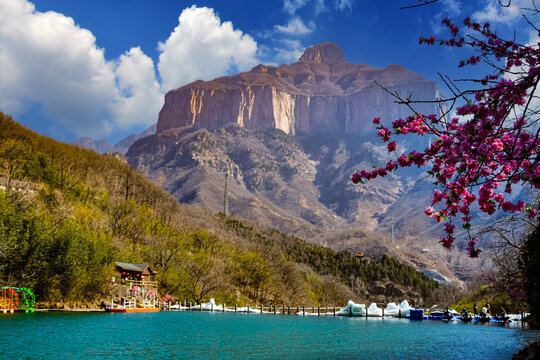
{"points": [[70, 310]]}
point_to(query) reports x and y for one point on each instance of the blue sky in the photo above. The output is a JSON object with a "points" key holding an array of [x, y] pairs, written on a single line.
{"points": [[101, 68]]}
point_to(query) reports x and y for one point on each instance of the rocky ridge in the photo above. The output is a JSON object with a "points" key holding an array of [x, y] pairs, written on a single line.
{"points": [[320, 93]]}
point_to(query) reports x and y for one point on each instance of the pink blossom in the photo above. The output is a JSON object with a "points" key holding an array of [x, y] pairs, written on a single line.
{"points": [[437, 196], [447, 241], [471, 156], [404, 161], [469, 198], [391, 165], [520, 206], [507, 206]]}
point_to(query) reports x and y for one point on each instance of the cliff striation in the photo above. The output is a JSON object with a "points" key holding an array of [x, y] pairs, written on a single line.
{"points": [[320, 93]]}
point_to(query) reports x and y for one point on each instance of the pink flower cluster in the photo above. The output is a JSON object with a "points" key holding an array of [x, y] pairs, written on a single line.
{"points": [[489, 147], [167, 298]]}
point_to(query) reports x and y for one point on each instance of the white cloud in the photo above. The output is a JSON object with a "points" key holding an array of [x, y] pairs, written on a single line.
{"points": [[46, 58], [289, 51], [295, 26], [448, 9], [495, 13], [320, 7], [452, 7], [141, 98], [201, 47], [291, 6], [343, 5]]}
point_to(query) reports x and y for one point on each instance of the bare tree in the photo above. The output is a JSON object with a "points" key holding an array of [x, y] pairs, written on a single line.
{"points": [[205, 276]]}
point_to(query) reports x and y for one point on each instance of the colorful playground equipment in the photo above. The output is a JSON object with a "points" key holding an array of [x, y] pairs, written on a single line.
{"points": [[9, 300], [27, 300], [17, 299]]}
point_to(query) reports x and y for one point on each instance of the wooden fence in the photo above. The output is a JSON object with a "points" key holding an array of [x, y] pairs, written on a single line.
{"points": [[270, 309]]}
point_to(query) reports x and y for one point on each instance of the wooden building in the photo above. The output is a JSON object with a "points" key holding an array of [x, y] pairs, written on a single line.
{"points": [[137, 274]]}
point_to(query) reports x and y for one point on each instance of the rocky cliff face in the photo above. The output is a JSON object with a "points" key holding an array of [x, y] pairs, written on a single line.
{"points": [[320, 93], [291, 136]]}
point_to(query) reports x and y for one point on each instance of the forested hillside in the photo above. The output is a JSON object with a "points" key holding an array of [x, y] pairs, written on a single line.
{"points": [[67, 214]]}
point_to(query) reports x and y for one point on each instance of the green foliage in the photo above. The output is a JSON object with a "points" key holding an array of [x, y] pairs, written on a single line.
{"points": [[341, 264], [58, 259], [67, 214], [253, 273], [486, 294], [315, 289]]}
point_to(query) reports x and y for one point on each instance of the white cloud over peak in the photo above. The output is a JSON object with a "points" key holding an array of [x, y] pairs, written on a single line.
{"points": [[289, 51], [495, 13], [48, 61], [295, 26], [140, 97], [201, 47]]}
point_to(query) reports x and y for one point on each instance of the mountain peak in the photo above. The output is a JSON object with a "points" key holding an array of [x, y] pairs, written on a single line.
{"points": [[320, 93], [327, 53]]}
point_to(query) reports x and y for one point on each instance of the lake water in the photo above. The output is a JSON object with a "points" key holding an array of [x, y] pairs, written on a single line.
{"points": [[196, 335]]}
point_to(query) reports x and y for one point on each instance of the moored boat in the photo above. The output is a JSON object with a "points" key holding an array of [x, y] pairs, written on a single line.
{"points": [[131, 310], [448, 314], [466, 316], [483, 317], [502, 316]]}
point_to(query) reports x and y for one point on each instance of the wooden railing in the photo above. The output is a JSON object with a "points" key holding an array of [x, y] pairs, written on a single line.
{"points": [[273, 309], [140, 283]]}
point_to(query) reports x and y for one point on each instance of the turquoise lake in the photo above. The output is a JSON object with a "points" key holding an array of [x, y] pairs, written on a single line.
{"points": [[196, 335]]}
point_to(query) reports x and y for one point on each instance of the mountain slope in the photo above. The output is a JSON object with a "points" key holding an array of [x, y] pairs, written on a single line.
{"points": [[290, 137], [67, 214]]}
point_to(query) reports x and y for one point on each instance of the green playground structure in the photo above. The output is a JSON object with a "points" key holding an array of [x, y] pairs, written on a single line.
{"points": [[17, 299]]}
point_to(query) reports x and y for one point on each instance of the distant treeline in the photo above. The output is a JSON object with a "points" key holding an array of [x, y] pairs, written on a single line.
{"points": [[343, 265]]}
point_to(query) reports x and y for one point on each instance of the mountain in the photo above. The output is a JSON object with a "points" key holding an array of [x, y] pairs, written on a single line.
{"points": [[99, 146], [123, 145], [290, 137], [320, 93], [103, 146]]}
